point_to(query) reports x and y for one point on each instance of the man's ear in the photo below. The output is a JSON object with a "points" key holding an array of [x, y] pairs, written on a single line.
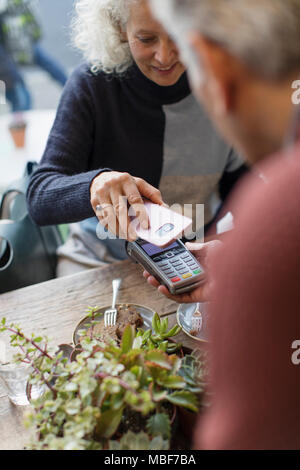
{"points": [[218, 69]]}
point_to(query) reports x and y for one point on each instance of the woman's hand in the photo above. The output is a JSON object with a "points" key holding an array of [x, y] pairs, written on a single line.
{"points": [[110, 192], [202, 252]]}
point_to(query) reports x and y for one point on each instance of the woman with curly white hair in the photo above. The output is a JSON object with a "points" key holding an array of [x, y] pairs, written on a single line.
{"points": [[127, 125]]}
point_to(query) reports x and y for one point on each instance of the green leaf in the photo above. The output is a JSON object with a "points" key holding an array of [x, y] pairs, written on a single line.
{"points": [[38, 339], [164, 325], [159, 424], [173, 347], [185, 399], [127, 339], [156, 323], [73, 406], [117, 401], [158, 359], [137, 371], [87, 386], [163, 346], [146, 335], [171, 381], [137, 342], [108, 423], [140, 441], [173, 331], [158, 443], [159, 395], [114, 445]]}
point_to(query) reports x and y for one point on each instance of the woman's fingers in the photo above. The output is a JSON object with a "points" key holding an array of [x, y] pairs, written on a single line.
{"points": [[114, 192], [148, 191], [121, 214], [136, 201], [106, 216]]}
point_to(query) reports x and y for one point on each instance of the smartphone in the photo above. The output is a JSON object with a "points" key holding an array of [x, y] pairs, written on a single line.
{"points": [[165, 225], [173, 266]]}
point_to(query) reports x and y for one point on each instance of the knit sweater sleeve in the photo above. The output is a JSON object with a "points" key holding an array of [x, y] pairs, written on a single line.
{"points": [[59, 191]]}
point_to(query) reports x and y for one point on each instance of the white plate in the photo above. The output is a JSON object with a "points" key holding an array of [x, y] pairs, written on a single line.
{"points": [[145, 312], [185, 313]]}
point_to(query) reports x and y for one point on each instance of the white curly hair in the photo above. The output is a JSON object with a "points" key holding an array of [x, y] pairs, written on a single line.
{"points": [[96, 31]]}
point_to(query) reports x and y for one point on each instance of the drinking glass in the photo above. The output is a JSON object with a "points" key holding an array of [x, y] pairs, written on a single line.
{"points": [[14, 378]]}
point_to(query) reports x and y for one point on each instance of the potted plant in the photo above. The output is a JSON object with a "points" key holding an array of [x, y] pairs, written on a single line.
{"points": [[109, 396], [194, 371]]}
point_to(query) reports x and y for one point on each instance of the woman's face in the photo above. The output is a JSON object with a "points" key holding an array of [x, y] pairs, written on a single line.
{"points": [[152, 49]]}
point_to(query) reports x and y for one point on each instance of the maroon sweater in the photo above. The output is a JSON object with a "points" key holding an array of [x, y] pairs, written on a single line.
{"points": [[255, 317]]}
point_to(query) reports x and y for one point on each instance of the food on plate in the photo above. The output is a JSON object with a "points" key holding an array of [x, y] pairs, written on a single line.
{"points": [[127, 315], [194, 333]]}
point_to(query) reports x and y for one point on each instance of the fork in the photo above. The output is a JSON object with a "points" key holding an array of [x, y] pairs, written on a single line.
{"points": [[110, 315]]}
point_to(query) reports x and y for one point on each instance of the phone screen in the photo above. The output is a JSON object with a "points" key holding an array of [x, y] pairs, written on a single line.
{"points": [[153, 250]]}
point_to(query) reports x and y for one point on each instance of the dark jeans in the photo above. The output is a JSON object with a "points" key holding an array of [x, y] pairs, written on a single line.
{"points": [[16, 91], [49, 64], [18, 94], [19, 97]]}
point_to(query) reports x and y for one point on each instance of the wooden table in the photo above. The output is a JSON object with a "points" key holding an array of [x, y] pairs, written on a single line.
{"points": [[55, 307]]}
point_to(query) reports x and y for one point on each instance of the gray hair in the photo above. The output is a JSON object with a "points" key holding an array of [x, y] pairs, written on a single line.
{"points": [[96, 29], [263, 34]]}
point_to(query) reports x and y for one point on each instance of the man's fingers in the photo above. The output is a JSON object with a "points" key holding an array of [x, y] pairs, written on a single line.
{"points": [[182, 298], [195, 246], [152, 281], [203, 251]]}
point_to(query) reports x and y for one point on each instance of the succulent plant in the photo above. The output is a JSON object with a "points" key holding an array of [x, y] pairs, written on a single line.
{"points": [[193, 370], [86, 400], [139, 441]]}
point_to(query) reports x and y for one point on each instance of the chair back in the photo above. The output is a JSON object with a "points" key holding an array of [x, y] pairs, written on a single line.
{"points": [[27, 251]]}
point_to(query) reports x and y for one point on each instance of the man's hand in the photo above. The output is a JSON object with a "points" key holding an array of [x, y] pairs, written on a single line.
{"points": [[111, 192], [202, 252]]}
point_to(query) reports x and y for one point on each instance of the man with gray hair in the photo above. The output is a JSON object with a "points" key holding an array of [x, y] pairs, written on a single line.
{"points": [[243, 57]]}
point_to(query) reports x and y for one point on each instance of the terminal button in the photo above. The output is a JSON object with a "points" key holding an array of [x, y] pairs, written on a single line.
{"points": [[186, 276]]}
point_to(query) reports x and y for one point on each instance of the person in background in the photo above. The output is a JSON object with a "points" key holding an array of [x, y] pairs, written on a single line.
{"points": [[126, 126], [243, 57], [20, 36], [16, 91]]}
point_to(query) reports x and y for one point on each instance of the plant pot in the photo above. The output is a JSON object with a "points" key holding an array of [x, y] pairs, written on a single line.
{"points": [[18, 135], [141, 426], [187, 423]]}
